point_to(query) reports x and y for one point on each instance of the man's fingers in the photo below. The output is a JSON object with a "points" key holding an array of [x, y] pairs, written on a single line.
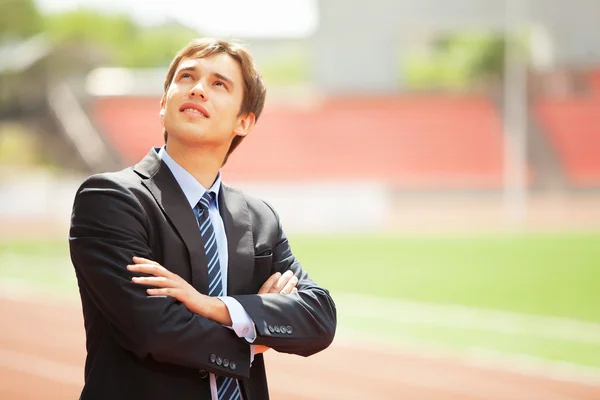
{"points": [[164, 292], [290, 285], [283, 280], [141, 260], [152, 269], [269, 283], [158, 281], [279, 283]]}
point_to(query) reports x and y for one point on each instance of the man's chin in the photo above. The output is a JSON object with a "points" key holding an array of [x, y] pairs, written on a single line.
{"points": [[197, 139]]}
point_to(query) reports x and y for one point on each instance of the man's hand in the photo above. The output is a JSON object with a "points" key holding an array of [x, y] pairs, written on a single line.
{"points": [[278, 283], [167, 283]]}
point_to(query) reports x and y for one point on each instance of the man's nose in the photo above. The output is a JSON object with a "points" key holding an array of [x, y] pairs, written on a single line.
{"points": [[198, 91]]}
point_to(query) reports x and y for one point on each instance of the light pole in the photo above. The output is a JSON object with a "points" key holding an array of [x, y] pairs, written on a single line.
{"points": [[515, 109]]}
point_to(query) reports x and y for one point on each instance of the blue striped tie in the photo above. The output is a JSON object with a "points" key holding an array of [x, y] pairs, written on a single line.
{"points": [[227, 388]]}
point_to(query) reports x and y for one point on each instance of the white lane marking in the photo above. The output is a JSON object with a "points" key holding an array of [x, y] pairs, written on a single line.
{"points": [[463, 317], [432, 314], [42, 367], [27, 292], [394, 310]]}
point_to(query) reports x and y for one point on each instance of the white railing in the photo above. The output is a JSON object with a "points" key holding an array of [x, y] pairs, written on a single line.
{"points": [[78, 127]]}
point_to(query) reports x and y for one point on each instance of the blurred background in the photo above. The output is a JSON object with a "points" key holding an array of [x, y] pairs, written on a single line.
{"points": [[450, 147]]}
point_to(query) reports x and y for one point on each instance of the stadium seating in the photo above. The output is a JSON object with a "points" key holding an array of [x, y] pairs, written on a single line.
{"points": [[130, 124], [573, 128], [594, 81], [410, 142]]}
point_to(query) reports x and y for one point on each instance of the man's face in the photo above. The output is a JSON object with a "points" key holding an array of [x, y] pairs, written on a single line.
{"points": [[202, 104]]}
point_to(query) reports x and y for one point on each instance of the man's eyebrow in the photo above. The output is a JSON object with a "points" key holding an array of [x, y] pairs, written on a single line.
{"points": [[190, 68], [224, 78]]}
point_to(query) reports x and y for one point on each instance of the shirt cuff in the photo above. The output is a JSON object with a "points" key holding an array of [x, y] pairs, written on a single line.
{"points": [[241, 323]]}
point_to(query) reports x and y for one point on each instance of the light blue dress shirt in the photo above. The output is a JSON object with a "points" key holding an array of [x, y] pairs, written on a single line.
{"points": [[242, 324]]}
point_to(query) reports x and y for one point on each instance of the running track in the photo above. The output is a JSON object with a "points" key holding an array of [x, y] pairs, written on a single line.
{"points": [[42, 353]]}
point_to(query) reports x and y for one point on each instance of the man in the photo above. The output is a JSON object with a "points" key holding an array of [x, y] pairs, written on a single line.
{"points": [[184, 281]]}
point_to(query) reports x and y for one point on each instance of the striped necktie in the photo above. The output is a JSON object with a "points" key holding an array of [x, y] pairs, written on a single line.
{"points": [[227, 388]]}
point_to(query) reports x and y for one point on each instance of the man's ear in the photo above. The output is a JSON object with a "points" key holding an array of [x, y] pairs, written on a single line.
{"points": [[245, 124], [162, 111]]}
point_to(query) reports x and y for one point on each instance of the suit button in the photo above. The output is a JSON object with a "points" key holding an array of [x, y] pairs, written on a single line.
{"points": [[203, 374], [282, 329], [289, 329], [219, 361], [232, 365], [225, 363], [276, 328], [271, 329], [213, 357]]}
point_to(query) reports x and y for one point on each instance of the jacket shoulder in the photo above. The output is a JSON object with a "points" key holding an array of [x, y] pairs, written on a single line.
{"points": [[261, 212], [125, 179]]}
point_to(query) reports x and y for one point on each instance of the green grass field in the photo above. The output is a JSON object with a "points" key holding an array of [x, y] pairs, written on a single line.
{"points": [[548, 274], [531, 274]]}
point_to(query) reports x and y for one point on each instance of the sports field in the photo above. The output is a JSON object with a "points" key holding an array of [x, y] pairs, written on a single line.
{"points": [[511, 294]]}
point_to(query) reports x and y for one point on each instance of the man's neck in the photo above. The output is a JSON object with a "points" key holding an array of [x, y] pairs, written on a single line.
{"points": [[202, 164]]}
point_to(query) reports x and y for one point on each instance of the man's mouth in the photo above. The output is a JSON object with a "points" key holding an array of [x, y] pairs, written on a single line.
{"points": [[194, 109]]}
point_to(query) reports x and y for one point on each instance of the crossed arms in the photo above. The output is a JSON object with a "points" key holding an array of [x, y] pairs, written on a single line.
{"points": [[110, 225], [163, 282]]}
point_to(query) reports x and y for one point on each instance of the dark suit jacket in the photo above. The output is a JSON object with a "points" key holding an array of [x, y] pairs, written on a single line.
{"points": [[141, 347]]}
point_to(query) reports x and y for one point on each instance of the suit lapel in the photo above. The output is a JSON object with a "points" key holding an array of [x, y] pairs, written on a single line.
{"points": [[157, 178], [240, 243]]}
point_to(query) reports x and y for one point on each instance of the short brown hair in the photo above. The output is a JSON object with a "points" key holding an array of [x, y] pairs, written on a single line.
{"points": [[253, 99]]}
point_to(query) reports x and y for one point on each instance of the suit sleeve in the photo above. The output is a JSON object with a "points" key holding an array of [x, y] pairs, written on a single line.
{"points": [[108, 227], [302, 323]]}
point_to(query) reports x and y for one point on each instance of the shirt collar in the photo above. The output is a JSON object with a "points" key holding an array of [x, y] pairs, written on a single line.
{"points": [[192, 189]]}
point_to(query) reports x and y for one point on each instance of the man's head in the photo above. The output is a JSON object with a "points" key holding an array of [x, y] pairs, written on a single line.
{"points": [[213, 94]]}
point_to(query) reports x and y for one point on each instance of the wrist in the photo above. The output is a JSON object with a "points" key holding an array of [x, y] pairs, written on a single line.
{"points": [[201, 306], [217, 311]]}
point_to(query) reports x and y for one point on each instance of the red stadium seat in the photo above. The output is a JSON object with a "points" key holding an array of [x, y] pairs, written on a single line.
{"points": [[130, 124], [594, 81], [573, 127], [412, 142]]}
